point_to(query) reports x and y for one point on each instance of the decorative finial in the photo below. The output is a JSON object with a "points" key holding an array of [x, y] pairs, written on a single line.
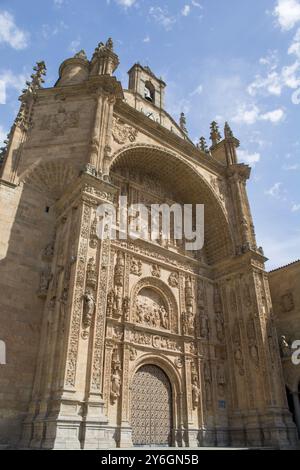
{"points": [[182, 123], [228, 132], [109, 44], [80, 55], [202, 145], [36, 78], [214, 133]]}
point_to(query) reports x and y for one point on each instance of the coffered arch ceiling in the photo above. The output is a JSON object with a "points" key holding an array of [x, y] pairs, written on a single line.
{"points": [[188, 186]]}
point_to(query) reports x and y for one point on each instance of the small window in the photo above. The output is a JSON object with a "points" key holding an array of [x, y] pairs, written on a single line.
{"points": [[47, 209], [149, 92]]}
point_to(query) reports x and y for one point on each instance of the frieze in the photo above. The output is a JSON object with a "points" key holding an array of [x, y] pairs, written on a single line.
{"points": [[154, 341], [59, 122]]}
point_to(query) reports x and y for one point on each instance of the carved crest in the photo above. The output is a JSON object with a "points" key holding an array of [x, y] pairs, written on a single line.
{"points": [[123, 132]]}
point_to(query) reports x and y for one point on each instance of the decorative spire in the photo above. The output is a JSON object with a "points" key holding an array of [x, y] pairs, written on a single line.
{"points": [[228, 134], [104, 61], [36, 78], [182, 123], [80, 55], [214, 133], [202, 145]]}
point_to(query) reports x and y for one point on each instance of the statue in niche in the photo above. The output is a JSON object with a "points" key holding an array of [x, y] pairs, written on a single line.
{"points": [[164, 317], [195, 391], [89, 307], [220, 327], [115, 385], [110, 303], [284, 346]]}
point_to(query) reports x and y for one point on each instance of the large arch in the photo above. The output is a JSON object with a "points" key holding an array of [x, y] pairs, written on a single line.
{"points": [[191, 188], [174, 378]]}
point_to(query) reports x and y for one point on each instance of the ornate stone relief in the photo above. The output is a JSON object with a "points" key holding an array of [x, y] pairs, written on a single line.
{"points": [[155, 271], [93, 234], [219, 320], [188, 317], [136, 267], [151, 310], [195, 389], [45, 278], [115, 376], [208, 385], [59, 122], [91, 277], [251, 335], [154, 341], [173, 280], [88, 312], [221, 379], [119, 283], [122, 132], [237, 348]]}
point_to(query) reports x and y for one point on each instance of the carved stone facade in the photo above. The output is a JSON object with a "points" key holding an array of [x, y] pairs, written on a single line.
{"points": [[89, 323]]}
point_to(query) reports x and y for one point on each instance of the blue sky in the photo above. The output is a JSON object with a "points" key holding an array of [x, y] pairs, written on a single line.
{"points": [[235, 60]]}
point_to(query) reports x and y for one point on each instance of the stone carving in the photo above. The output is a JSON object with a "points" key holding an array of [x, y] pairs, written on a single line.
{"points": [[237, 350], [287, 302], [119, 282], [173, 279], [154, 341], [285, 348], [155, 271], [221, 379], [58, 123], [188, 316], [152, 314], [88, 312], [187, 323], [93, 234], [251, 335], [132, 353], [179, 362], [123, 132], [110, 303], [126, 308], [115, 377], [136, 267], [220, 327], [204, 325], [91, 277], [207, 382], [195, 390]]}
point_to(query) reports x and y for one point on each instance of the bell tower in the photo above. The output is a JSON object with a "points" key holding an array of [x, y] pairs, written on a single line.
{"points": [[146, 86]]}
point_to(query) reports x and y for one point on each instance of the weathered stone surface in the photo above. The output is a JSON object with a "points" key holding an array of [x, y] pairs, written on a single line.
{"points": [[80, 316]]}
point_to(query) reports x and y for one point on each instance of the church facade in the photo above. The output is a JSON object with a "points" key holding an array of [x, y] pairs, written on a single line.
{"points": [[129, 342]]}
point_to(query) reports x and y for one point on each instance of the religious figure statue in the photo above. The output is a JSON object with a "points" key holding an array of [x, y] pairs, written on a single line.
{"points": [[89, 307], [195, 392], [284, 346], [115, 385]]}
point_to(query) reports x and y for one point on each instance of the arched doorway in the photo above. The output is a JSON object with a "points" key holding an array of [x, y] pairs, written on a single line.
{"points": [[151, 407]]}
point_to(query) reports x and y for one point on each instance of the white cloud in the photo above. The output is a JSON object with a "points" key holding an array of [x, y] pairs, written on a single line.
{"points": [[48, 30], [126, 3], [10, 33], [273, 116], [74, 45], [251, 114], [162, 17], [196, 4], [275, 80], [146, 39], [287, 13], [3, 135], [186, 10], [58, 3], [197, 91], [274, 191], [292, 167], [295, 208], [10, 80], [249, 158]]}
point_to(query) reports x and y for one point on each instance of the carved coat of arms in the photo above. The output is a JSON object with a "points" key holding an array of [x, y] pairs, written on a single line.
{"points": [[123, 132]]}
